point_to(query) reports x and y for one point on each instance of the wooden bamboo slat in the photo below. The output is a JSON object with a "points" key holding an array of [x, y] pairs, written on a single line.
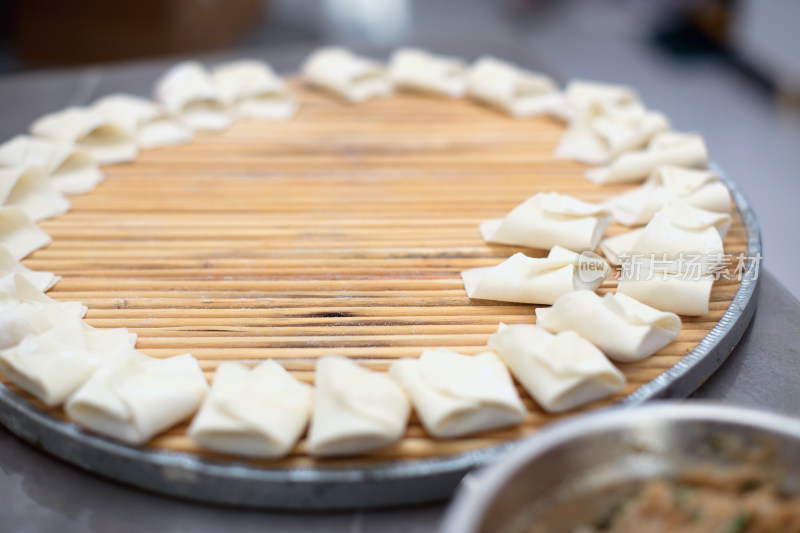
{"points": [[343, 231]]}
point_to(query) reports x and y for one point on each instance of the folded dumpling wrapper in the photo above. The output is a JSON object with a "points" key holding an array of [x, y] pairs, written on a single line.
{"points": [[352, 78], [699, 188], [624, 329], [667, 148], [148, 122], [251, 89], [132, 397], [597, 134], [108, 340], [27, 188], [584, 92], [107, 141], [70, 169], [11, 265], [550, 219], [561, 371], [255, 413], [53, 365], [531, 280], [683, 293], [617, 249], [26, 310], [19, 234], [416, 70], [581, 95], [684, 234], [456, 395], [355, 410], [16, 288], [504, 86], [21, 320], [187, 90]]}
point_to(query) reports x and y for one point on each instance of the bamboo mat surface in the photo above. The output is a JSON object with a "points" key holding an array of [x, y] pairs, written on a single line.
{"points": [[342, 232]]}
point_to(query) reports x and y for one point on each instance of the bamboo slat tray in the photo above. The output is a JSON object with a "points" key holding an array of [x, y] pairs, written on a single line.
{"points": [[343, 231]]}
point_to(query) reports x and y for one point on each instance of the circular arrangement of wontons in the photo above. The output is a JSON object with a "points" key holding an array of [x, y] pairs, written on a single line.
{"points": [[563, 361]]}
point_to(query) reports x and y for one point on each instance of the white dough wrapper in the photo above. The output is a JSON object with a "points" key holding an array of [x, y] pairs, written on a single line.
{"points": [[132, 397], [582, 94], [624, 329], [254, 413], [21, 320], [676, 292], [668, 148], [561, 371], [251, 89], [10, 265], [104, 139], [108, 340], [416, 70], [148, 122], [352, 78], [26, 310], [15, 288], [550, 219], [187, 90], [618, 249], [599, 133], [699, 188], [70, 170], [531, 280], [685, 235], [456, 395], [27, 188], [355, 410], [515, 91], [19, 234], [53, 365]]}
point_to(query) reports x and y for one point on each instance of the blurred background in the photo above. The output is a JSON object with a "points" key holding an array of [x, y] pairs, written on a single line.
{"points": [[729, 69]]}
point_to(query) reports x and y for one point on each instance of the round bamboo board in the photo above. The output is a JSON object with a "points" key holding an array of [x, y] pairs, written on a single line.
{"points": [[343, 231]]}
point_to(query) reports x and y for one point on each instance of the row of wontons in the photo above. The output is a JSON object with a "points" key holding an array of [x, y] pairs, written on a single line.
{"points": [[110, 388]]}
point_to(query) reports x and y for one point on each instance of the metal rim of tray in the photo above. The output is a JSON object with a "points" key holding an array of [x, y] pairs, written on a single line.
{"points": [[392, 483]]}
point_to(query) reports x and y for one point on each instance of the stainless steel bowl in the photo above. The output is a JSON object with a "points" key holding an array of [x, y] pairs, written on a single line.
{"points": [[577, 471]]}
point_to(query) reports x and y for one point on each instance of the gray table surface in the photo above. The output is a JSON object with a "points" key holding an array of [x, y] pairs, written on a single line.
{"points": [[41, 494]]}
